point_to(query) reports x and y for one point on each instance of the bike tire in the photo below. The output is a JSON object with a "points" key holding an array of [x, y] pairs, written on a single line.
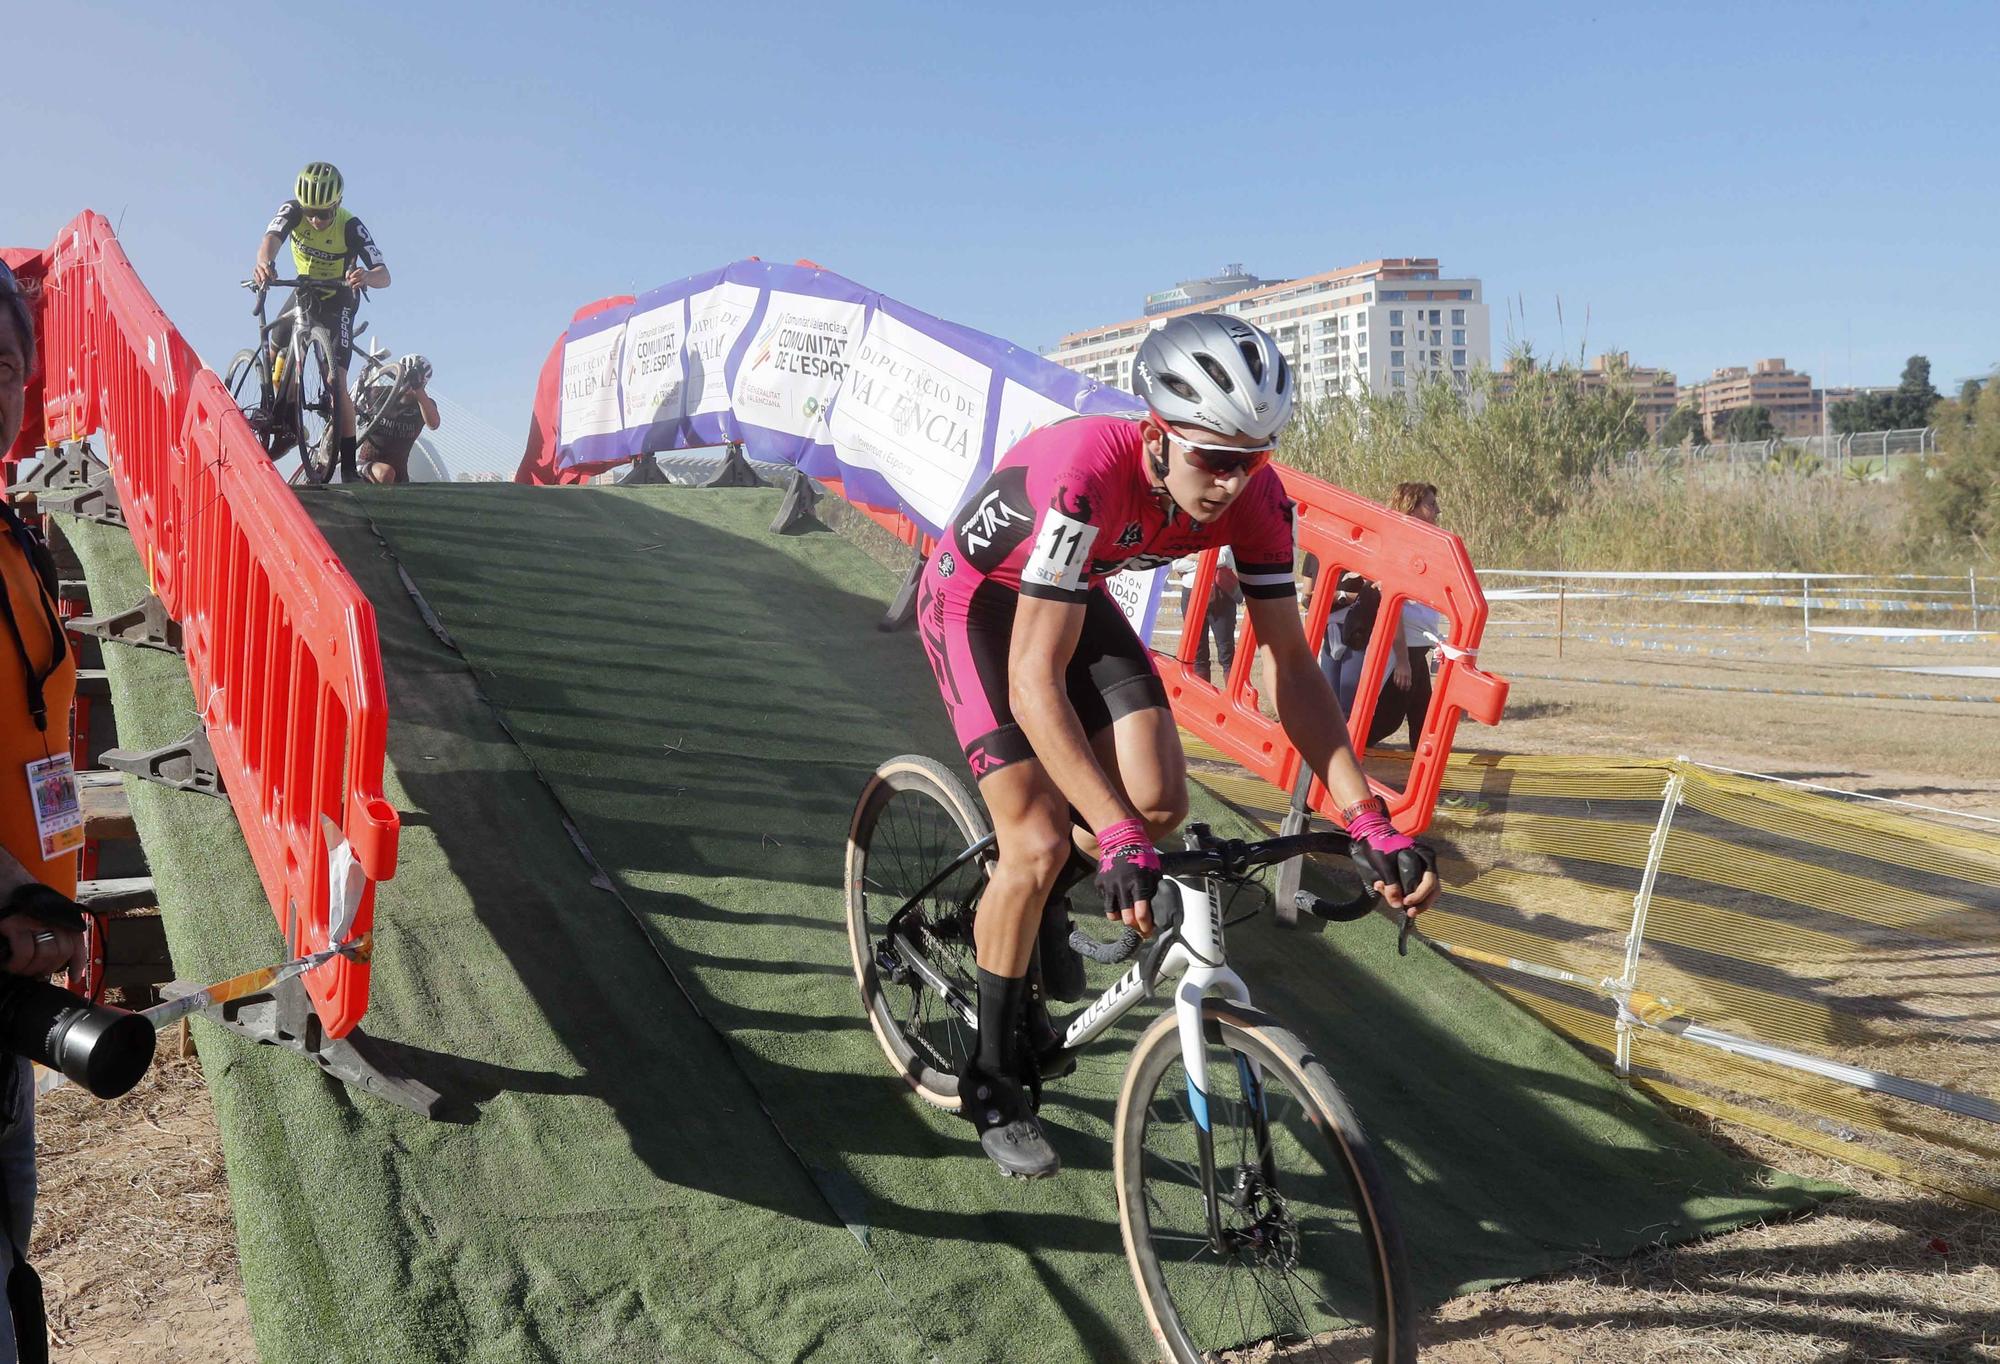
{"points": [[315, 412], [372, 399], [1328, 1228], [912, 818], [248, 381]]}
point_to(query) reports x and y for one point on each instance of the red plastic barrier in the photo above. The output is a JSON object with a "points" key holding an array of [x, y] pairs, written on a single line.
{"points": [[1412, 561], [283, 654], [281, 644]]}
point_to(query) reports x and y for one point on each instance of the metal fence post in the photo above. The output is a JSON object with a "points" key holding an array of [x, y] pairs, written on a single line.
{"points": [[1972, 589], [1806, 606], [1670, 801]]}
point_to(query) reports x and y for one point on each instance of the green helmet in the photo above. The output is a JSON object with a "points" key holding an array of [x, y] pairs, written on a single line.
{"points": [[319, 186]]}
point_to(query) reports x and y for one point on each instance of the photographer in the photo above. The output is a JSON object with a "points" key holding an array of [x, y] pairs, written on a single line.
{"points": [[40, 929]]}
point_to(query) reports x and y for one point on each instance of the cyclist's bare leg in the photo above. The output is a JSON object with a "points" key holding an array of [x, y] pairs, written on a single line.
{"points": [[1142, 755], [1031, 822]]}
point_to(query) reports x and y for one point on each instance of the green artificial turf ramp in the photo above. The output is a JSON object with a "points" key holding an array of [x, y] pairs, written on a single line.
{"points": [[706, 700], [673, 1136], [608, 1188]]}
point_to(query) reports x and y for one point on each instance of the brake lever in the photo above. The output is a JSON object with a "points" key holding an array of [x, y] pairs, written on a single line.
{"points": [[1403, 938]]}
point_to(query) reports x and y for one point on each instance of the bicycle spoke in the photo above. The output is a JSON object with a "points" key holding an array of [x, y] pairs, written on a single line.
{"points": [[1296, 1265]]}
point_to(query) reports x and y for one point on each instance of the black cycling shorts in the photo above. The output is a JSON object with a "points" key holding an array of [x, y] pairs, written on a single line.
{"points": [[967, 637], [334, 312]]}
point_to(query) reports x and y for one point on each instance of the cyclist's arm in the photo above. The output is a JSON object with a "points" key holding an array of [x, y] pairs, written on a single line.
{"points": [[280, 227], [267, 252], [1046, 630], [428, 408], [370, 271], [1310, 713], [1307, 706]]}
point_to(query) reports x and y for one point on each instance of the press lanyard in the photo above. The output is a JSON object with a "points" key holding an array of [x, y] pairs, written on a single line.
{"points": [[39, 681]]}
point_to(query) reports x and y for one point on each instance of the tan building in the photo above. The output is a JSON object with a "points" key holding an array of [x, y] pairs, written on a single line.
{"points": [[1380, 326], [1789, 396], [1655, 392]]}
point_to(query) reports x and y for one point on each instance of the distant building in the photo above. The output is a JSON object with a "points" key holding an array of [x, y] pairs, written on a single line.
{"points": [[1375, 327], [1789, 396], [1654, 392], [1190, 293]]}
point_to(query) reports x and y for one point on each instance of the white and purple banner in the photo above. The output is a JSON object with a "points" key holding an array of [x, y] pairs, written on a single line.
{"points": [[806, 368]]}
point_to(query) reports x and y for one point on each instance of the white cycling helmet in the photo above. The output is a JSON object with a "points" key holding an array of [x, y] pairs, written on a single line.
{"points": [[1217, 372]]}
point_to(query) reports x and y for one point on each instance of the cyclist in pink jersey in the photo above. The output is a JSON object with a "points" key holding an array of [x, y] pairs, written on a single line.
{"points": [[1056, 703]]}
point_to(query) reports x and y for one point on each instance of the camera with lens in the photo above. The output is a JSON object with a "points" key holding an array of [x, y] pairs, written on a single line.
{"points": [[103, 1049]]}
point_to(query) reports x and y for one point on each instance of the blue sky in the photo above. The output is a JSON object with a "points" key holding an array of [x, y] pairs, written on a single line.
{"points": [[1704, 185]]}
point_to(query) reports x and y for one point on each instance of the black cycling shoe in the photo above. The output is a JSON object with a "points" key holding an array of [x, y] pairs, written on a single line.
{"points": [[1008, 1132], [1062, 965]]}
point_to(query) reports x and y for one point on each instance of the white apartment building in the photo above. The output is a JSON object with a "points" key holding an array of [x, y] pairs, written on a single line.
{"points": [[1375, 327]]}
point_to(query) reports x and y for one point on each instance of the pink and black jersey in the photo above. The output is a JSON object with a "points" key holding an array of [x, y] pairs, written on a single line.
{"points": [[1071, 504], [1066, 508]]}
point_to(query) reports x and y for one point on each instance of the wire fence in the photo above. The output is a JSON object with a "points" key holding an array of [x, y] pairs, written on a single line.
{"points": [[1943, 607], [1859, 454]]}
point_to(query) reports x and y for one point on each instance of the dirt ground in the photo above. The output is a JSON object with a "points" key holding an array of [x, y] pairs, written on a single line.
{"points": [[137, 1247]]}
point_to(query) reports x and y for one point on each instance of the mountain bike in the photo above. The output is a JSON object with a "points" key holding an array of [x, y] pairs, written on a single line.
{"points": [[1252, 1208], [290, 399]]}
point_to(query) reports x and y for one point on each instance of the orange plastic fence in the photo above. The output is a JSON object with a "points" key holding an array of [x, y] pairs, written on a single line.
{"points": [[280, 642], [1411, 560]]}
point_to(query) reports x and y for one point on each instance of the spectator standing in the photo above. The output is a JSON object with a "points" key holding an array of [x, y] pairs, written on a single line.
{"points": [[40, 828], [1219, 623]]}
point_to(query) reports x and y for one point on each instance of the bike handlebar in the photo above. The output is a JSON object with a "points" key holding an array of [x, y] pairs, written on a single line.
{"points": [[1213, 856], [260, 290]]}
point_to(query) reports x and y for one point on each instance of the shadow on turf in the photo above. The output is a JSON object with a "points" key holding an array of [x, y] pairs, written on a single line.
{"points": [[1487, 1185]]}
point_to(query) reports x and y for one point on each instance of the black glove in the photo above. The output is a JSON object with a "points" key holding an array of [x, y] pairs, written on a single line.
{"points": [[1381, 853]]}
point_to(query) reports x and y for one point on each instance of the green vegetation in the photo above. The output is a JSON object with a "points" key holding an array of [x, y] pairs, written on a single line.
{"points": [[1908, 407], [1955, 504], [1750, 423], [1683, 426], [1537, 477]]}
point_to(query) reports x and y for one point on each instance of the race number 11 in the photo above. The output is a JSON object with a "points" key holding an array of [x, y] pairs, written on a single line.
{"points": [[1061, 558]]}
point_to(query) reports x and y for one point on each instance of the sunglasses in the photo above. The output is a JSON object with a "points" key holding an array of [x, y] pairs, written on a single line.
{"points": [[322, 215], [1220, 461]]}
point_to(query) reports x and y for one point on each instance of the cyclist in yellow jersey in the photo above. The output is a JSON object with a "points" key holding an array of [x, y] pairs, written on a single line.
{"points": [[331, 244]]}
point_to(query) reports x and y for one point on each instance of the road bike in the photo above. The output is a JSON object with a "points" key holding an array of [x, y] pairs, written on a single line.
{"points": [[1253, 1212], [290, 398]]}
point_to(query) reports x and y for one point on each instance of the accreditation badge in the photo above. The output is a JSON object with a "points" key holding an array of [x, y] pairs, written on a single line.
{"points": [[58, 809]]}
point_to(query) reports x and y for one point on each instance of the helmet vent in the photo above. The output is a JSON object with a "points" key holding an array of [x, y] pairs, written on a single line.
{"points": [[1180, 388], [1213, 368], [1254, 359]]}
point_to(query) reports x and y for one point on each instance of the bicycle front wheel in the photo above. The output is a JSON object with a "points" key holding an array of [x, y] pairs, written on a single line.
{"points": [[248, 380], [315, 412], [1281, 1240], [921, 988]]}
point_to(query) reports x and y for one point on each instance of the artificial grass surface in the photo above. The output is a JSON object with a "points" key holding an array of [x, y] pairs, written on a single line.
{"points": [[610, 1189], [705, 701]]}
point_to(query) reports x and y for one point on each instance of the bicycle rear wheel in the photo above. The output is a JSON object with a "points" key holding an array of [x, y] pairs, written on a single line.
{"points": [[313, 406], [921, 988], [371, 402], [1305, 1260]]}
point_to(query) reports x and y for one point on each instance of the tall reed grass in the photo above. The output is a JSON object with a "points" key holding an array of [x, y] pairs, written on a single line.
{"points": [[1535, 477]]}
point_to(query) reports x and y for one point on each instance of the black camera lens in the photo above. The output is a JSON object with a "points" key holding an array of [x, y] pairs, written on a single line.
{"points": [[103, 1049]]}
